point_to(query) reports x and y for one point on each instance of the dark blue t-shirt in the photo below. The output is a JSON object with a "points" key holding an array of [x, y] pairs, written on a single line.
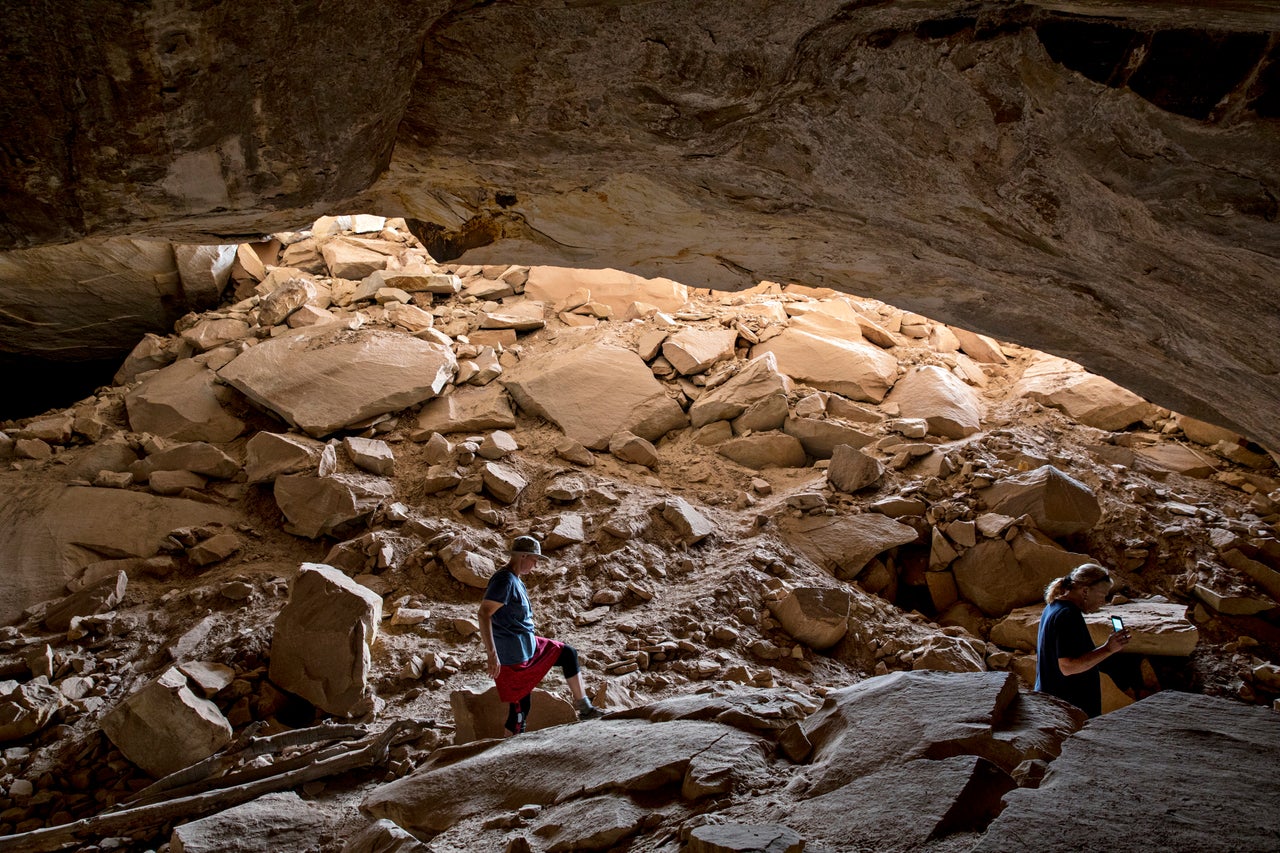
{"points": [[513, 636], [1063, 634]]}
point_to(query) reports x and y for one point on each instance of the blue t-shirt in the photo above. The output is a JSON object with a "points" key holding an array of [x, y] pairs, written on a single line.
{"points": [[513, 636], [1063, 634]]}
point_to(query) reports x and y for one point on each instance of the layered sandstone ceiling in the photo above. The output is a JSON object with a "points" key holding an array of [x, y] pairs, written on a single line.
{"points": [[1095, 179]]}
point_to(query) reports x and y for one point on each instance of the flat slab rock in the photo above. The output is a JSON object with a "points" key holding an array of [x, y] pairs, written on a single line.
{"points": [[545, 767], [325, 378], [592, 392], [1176, 771], [845, 545], [283, 823], [1157, 627]]}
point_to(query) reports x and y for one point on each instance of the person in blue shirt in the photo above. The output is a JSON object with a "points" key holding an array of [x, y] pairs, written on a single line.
{"points": [[517, 657], [1066, 658]]}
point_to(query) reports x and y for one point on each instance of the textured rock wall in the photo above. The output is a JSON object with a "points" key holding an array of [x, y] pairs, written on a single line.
{"points": [[1094, 179]]}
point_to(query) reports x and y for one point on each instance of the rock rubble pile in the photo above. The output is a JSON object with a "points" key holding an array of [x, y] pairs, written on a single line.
{"points": [[775, 517]]}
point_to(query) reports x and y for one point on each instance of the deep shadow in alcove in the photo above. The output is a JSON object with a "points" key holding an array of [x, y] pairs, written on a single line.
{"points": [[35, 385]]}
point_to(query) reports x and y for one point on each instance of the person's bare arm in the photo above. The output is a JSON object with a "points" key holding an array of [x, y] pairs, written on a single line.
{"points": [[1088, 660], [487, 609]]}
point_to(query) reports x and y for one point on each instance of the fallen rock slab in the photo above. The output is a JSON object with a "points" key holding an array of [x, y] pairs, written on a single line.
{"points": [[744, 838], [820, 438], [541, 767], [468, 409], [269, 454], [817, 617], [1214, 758], [324, 378], [184, 401], [1059, 504], [322, 506], [593, 392], [764, 450], [692, 351], [165, 727], [852, 470], [321, 646], [844, 546], [1157, 628], [283, 823], [853, 368], [691, 525], [1085, 398], [28, 707], [757, 380], [610, 287], [950, 407]]}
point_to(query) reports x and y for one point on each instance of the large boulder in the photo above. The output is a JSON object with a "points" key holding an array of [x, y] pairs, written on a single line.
{"points": [[185, 402], [467, 409], [815, 616], [325, 378], [1214, 758], [609, 287], [757, 380], [854, 368], [270, 454], [1059, 504], [593, 392], [1157, 627], [1085, 398], [28, 707], [165, 726], [321, 506], [321, 647], [844, 545], [692, 351], [821, 437], [949, 406]]}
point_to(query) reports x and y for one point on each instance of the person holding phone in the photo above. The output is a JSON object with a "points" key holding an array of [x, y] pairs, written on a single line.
{"points": [[1066, 658]]}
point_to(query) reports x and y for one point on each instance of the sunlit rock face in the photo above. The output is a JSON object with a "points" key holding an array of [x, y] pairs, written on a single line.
{"points": [[1094, 179]]}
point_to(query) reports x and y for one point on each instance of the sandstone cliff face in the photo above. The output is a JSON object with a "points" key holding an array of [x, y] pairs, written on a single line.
{"points": [[1059, 175]]}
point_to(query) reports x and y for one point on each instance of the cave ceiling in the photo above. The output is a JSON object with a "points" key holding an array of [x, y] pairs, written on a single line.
{"points": [[1096, 179]]}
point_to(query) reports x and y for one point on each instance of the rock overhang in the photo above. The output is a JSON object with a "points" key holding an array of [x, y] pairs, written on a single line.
{"points": [[951, 159]]}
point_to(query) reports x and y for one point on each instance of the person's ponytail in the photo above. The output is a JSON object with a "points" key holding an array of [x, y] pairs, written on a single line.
{"points": [[1084, 575]]}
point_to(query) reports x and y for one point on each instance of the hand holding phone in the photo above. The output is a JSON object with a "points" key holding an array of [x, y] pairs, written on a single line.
{"points": [[1117, 624]]}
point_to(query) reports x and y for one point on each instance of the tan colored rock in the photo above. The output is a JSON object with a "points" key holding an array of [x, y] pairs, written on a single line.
{"points": [[593, 392], [95, 598], [165, 727], [1231, 604], [943, 591], [844, 545], [371, 454], [1179, 459], [1059, 504], [820, 437], [764, 450], [569, 530], [612, 287], [208, 334], [757, 380], [980, 348], [277, 305], [852, 470], [1261, 574], [467, 410], [204, 270], [383, 836], [210, 676], [854, 369], [1157, 627], [1202, 432], [197, 457], [269, 454], [990, 576], [320, 506], [693, 351], [349, 260], [321, 646], [945, 653], [762, 416], [214, 549], [691, 525], [324, 378], [630, 447], [1082, 396], [173, 482], [151, 353], [817, 617], [184, 402], [523, 315], [950, 407], [503, 482], [467, 566]]}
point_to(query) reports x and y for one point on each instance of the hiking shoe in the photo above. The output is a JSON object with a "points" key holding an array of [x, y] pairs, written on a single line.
{"points": [[587, 711]]}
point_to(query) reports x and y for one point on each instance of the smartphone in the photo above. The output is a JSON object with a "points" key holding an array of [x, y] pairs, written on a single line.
{"points": [[1117, 624]]}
